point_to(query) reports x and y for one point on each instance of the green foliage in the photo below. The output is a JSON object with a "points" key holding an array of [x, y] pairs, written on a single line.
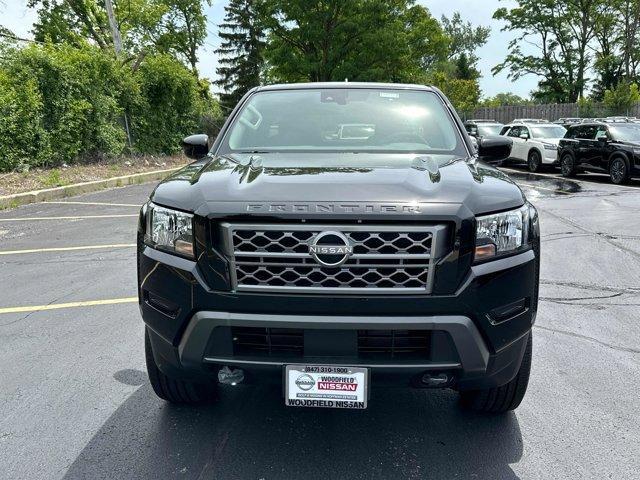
{"points": [[561, 32], [464, 40], [170, 105], [617, 56], [587, 108], [620, 99], [367, 40], [53, 179], [21, 129], [177, 27], [241, 52], [463, 94], [63, 104], [79, 93], [504, 99]]}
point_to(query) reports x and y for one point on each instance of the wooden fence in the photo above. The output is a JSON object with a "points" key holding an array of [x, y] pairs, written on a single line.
{"points": [[550, 111]]}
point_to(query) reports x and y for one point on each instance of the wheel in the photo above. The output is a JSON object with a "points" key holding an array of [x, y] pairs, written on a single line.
{"points": [[534, 162], [619, 171], [504, 398], [567, 166], [173, 390]]}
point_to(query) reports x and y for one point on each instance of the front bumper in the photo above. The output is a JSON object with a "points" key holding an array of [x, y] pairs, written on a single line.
{"points": [[550, 157], [478, 333]]}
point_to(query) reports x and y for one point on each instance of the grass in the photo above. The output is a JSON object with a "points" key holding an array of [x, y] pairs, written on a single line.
{"points": [[53, 179]]}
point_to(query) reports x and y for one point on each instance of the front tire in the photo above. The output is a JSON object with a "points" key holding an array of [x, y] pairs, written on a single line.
{"points": [[174, 390], [567, 166], [619, 171], [506, 397], [534, 162]]}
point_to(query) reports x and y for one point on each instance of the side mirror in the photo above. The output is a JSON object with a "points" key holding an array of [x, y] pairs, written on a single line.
{"points": [[524, 136], [196, 146], [494, 149], [603, 139]]}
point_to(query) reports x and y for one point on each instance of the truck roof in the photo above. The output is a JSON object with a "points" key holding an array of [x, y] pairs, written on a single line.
{"points": [[316, 85]]}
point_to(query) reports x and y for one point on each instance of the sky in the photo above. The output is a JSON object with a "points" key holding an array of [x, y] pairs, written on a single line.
{"points": [[19, 19]]}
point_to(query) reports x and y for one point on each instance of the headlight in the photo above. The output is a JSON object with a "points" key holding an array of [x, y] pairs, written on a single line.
{"points": [[502, 233], [169, 230], [636, 151], [550, 146]]}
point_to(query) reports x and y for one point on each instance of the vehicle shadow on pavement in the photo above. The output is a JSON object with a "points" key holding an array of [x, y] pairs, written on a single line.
{"points": [[250, 434]]}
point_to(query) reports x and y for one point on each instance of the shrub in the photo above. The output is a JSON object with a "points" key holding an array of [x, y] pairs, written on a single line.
{"points": [[622, 98], [64, 104], [172, 103], [22, 136]]}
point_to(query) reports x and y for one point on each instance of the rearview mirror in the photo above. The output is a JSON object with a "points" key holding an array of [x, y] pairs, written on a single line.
{"points": [[604, 139], [494, 149], [524, 136], [196, 146]]}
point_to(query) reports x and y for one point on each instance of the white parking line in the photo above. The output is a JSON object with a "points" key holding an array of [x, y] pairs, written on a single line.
{"points": [[78, 217], [106, 204], [67, 249]]}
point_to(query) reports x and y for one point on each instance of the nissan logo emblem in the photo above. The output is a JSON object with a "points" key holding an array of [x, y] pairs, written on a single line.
{"points": [[305, 382], [330, 249]]}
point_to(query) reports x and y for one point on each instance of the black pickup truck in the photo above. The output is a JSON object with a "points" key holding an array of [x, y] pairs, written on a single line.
{"points": [[334, 238], [602, 147]]}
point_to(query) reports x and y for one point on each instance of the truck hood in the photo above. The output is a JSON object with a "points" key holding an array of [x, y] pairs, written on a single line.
{"points": [[347, 183]]}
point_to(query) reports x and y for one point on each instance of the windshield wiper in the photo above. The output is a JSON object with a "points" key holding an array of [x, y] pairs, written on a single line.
{"points": [[254, 151]]}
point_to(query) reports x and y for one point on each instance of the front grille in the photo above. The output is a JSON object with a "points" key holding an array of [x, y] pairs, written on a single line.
{"points": [[259, 342], [371, 344], [383, 259], [393, 344]]}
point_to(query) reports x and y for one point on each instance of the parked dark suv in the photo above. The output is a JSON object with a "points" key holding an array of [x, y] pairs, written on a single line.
{"points": [[607, 147], [479, 128], [335, 238]]}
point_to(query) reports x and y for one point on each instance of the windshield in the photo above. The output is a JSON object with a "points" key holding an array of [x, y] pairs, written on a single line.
{"points": [[344, 120], [489, 129], [626, 133], [549, 132]]}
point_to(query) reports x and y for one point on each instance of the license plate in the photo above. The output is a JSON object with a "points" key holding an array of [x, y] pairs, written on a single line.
{"points": [[326, 386]]}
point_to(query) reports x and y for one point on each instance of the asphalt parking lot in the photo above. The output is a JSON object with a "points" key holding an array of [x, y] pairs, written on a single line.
{"points": [[75, 402]]}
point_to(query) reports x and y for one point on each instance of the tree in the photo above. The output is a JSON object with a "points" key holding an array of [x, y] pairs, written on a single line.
{"points": [[621, 98], [463, 94], [374, 40], [505, 99], [561, 32], [177, 27], [617, 57], [185, 29], [464, 40], [241, 52]]}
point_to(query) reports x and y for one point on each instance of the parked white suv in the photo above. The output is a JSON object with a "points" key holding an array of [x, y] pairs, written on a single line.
{"points": [[535, 142]]}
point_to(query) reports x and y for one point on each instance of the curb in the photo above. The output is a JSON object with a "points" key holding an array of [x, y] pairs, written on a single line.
{"points": [[17, 199]]}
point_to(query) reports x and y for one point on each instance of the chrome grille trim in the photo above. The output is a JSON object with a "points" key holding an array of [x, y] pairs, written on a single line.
{"points": [[387, 259]]}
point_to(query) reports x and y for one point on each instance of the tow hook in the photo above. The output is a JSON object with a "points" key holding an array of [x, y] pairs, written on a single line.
{"points": [[436, 381], [230, 376]]}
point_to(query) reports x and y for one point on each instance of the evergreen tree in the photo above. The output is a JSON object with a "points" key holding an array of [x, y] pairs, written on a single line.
{"points": [[241, 51]]}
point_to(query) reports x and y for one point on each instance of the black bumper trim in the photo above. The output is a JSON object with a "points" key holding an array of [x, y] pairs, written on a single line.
{"points": [[425, 366], [473, 352]]}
